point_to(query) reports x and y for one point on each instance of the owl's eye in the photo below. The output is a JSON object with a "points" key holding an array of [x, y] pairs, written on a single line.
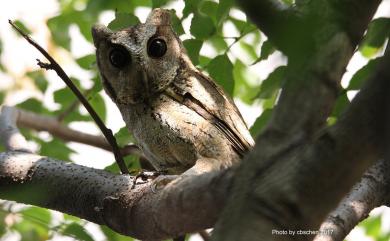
{"points": [[157, 48], [119, 57]]}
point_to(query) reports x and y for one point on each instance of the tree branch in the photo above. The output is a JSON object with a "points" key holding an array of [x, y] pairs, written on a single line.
{"points": [[372, 191], [184, 206], [27, 119], [280, 187]]}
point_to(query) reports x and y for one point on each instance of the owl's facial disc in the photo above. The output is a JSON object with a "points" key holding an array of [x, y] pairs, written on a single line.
{"points": [[138, 62]]}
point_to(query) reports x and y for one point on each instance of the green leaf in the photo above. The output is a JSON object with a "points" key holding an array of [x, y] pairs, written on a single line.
{"points": [[2, 95], [131, 162], [272, 83], [96, 6], [202, 27], [377, 33], [218, 43], [191, 6], [39, 215], [363, 74], [113, 236], [59, 28], [22, 26], [372, 225], [243, 27], [123, 137], [248, 48], [221, 70], [224, 7], [57, 149], [242, 78], [159, 3], [209, 8], [341, 104], [289, 2], [86, 61], [204, 60], [123, 20], [260, 122], [77, 231], [64, 96], [267, 48], [33, 227], [39, 80], [31, 104], [176, 23], [97, 103], [193, 47]]}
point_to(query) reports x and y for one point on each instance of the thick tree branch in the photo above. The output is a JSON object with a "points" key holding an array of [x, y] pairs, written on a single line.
{"points": [[280, 187], [372, 191], [184, 206]]}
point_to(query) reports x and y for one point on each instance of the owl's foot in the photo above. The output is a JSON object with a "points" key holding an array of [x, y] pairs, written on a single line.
{"points": [[161, 181], [145, 176]]}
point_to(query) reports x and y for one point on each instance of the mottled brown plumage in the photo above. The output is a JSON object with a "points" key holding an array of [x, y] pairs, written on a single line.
{"points": [[182, 120]]}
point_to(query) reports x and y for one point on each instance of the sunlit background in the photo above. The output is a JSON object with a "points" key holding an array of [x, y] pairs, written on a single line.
{"points": [[18, 59]]}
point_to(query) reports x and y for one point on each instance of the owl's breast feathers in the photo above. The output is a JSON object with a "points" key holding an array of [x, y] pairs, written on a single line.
{"points": [[200, 93]]}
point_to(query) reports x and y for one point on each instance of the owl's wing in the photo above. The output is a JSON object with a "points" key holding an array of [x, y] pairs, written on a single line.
{"points": [[205, 97]]}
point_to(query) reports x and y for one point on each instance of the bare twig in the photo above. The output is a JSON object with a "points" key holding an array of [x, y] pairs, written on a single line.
{"points": [[53, 65], [39, 122]]}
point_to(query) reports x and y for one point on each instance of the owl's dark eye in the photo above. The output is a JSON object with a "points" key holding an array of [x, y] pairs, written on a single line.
{"points": [[119, 57], [157, 48]]}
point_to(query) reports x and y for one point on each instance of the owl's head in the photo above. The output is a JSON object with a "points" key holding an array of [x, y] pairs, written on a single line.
{"points": [[140, 61]]}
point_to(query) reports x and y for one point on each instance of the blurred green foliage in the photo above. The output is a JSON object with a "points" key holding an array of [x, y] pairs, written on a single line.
{"points": [[208, 23]]}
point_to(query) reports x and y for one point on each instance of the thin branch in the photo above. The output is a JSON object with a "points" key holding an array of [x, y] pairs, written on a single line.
{"points": [[27, 119], [53, 65]]}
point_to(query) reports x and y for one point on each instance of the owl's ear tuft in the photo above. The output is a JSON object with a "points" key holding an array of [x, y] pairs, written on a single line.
{"points": [[159, 16], [100, 32]]}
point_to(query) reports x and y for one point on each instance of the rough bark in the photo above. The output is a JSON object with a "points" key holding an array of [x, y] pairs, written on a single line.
{"points": [[370, 192], [186, 206], [282, 182]]}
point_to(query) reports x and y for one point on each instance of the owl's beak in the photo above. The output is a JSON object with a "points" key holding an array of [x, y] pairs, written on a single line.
{"points": [[134, 91], [99, 33]]}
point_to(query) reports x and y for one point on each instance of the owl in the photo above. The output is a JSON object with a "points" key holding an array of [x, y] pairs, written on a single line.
{"points": [[182, 120]]}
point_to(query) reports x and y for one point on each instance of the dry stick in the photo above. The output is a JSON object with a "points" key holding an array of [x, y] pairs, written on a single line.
{"points": [[53, 65]]}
